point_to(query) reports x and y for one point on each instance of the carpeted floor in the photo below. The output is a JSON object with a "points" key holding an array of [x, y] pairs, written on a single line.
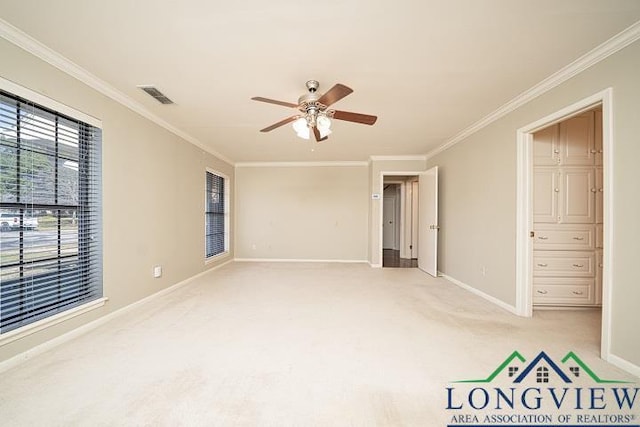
{"points": [[275, 344]]}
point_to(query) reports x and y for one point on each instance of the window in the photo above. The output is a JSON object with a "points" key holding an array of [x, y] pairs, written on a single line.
{"points": [[216, 215], [50, 213], [542, 375]]}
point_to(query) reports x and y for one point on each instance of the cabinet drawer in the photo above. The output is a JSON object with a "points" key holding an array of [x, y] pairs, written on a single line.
{"points": [[564, 237], [563, 291], [564, 264]]}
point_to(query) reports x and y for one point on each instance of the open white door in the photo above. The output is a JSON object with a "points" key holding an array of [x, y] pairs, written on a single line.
{"points": [[428, 222]]}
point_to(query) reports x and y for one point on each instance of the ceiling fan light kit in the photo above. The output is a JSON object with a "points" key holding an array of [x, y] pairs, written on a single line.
{"points": [[315, 113]]}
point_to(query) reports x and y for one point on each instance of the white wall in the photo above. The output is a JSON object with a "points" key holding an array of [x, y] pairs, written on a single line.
{"points": [[302, 212], [153, 194], [478, 195]]}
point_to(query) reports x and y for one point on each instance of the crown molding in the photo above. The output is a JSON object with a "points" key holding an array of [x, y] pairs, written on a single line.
{"points": [[299, 164], [45, 101], [43, 52], [395, 158], [601, 52]]}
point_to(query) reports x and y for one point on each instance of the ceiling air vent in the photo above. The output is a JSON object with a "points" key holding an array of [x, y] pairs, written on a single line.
{"points": [[156, 94]]}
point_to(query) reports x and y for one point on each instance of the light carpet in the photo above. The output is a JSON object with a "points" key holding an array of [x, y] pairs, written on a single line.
{"points": [[286, 344]]}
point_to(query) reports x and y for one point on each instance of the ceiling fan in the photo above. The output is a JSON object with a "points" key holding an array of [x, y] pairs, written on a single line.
{"points": [[315, 115]]}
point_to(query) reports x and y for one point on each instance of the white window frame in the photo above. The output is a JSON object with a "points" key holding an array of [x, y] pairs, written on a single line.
{"points": [[227, 208], [37, 98]]}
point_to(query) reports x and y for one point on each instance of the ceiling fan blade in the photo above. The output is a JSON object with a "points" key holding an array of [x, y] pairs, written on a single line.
{"points": [[335, 94], [273, 101], [316, 133], [365, 119], [280, 123]]}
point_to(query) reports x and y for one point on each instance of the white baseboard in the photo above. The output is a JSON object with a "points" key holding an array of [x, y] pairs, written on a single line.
{"points": [[343, 261], [479, 293], [624, 365], [375, 265], [68, 336]]}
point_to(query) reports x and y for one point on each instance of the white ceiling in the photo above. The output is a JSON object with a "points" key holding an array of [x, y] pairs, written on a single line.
{"points": [[428, 69]]}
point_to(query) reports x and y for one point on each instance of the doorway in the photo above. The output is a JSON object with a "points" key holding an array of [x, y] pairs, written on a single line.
{"points": [[567, 212], [400, 221], [526, 213], [419, 227]]}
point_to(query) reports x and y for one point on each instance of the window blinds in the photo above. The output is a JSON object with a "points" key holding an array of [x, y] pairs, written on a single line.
{"points": [[214, 215], [50, 209]]}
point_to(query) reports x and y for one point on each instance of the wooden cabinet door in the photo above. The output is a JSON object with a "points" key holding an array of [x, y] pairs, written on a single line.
{"points": [[577, 145], [545, 147], [599, 196], [545, 194], [597, 136], [577, 196]]}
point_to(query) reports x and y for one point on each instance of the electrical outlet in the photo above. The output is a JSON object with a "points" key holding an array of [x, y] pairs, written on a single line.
{"points": [[157, 271], [484, 270]]}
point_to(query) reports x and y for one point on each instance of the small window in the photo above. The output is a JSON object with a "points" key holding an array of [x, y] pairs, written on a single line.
{"points": [[542, 375], [50, 212], [216, 215], [575, 371]]}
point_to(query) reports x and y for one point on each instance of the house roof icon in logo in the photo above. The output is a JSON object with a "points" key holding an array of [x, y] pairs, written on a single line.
{"points": [[541, 364], [571, 356]]}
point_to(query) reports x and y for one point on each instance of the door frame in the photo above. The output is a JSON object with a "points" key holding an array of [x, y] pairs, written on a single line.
{"points": [[524, 209], [402, 201], [414, 214]]}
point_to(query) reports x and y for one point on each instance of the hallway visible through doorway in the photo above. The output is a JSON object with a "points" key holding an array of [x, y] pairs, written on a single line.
{"points": [[400, 221]]}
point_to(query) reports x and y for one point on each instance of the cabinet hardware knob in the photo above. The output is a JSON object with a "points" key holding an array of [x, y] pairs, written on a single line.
{"points": [[578, 265], [600, 190], [600, 151], [542, 292], [543, 238], [594, 151], [577, 292], [578, 238], [557, 190], [594, 190], [542, 264], [556, 151]]}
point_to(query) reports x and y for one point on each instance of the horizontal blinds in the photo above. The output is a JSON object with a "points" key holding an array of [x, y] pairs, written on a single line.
{"points": [[50, 212], [214, 215]]}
